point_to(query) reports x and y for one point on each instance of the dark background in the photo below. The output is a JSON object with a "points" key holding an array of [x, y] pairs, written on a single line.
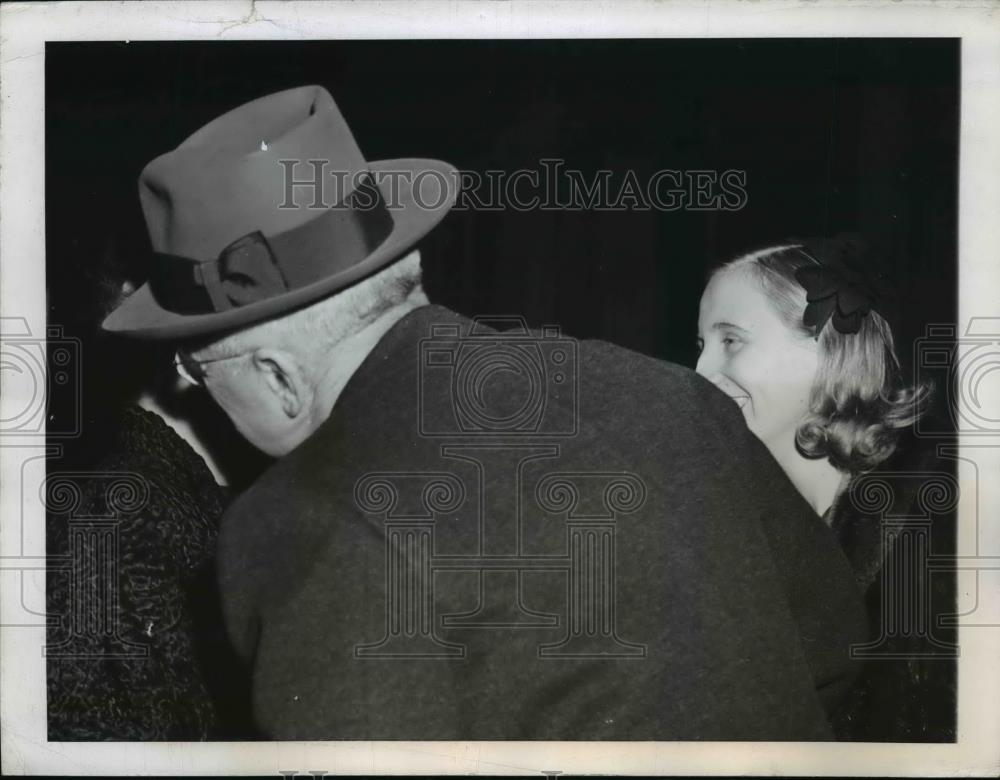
{"points": [[834, 135]]}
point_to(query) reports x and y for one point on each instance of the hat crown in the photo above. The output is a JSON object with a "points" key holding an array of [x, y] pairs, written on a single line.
{"points": [[237, 174]]}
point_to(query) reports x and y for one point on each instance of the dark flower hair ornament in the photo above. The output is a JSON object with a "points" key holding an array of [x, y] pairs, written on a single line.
{"points": [[844, 285]]}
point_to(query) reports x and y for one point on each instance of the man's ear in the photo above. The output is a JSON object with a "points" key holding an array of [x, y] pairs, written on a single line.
{"points": [[282, 376]]}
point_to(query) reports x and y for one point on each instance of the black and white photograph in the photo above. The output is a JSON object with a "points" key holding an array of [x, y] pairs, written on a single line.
{"points": [[501, 390]]}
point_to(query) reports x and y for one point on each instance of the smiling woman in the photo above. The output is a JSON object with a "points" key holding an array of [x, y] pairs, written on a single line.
{"points": [[749, 352], [799, 336]]}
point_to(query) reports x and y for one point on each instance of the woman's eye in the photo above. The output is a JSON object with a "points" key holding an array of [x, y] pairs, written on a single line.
{"points": [[731, 342]]}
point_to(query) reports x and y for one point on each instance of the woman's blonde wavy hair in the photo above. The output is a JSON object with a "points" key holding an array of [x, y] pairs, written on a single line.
{"points": [[859, 403]]}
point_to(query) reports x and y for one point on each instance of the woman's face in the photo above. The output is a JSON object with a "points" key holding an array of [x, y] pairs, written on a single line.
{"points": [[749, 353]]}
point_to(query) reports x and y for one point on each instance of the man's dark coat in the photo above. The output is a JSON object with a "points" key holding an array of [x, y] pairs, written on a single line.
{"points": [[624, 560]]}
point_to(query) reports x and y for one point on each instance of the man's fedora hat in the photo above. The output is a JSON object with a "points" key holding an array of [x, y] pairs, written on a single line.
{"points": [[238, 238]]}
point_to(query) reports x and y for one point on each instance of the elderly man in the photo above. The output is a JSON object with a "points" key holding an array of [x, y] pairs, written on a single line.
{"points": [[469, 532]]}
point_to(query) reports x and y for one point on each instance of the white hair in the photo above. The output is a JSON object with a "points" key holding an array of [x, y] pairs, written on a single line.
{"points": [[312, 331]]}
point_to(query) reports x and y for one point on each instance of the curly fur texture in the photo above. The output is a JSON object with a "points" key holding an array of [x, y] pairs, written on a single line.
{"points": [[164, 602]]}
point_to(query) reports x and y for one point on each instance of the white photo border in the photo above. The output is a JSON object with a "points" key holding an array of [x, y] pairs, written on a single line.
{"points": [[24, 29]]}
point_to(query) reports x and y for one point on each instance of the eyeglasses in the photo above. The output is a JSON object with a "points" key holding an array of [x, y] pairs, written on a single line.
{"points": [[193, 370]]}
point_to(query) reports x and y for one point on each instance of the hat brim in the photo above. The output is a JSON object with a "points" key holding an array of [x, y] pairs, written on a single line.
{"points": [[141, 316]]}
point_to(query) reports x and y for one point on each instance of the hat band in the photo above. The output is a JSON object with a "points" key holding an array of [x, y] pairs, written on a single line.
{"points": [[254, 268]]}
